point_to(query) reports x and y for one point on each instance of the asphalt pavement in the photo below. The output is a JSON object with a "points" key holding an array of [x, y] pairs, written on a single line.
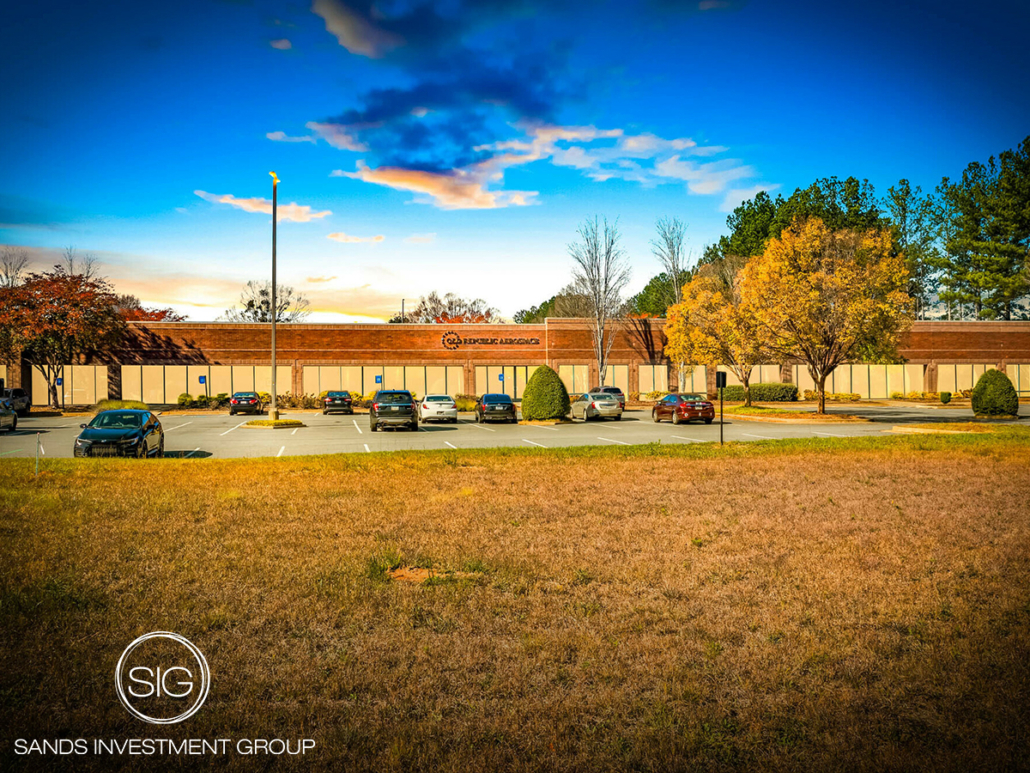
{"points": [[224, 436]]}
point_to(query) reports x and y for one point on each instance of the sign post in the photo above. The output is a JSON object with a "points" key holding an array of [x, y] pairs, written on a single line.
{"points": [[203, 380], [720, 384]]}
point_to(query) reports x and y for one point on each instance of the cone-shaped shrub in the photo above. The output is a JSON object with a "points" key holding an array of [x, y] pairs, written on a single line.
{"points": [[545, 396], [994, 395]]}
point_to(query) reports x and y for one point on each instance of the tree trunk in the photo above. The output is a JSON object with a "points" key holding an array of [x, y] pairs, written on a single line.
{"points": [[681, 375], [821, 384], [747, 391], [52, 388]]}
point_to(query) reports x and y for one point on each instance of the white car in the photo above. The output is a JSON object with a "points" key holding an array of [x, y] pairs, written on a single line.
{"points": [[438, 408]]}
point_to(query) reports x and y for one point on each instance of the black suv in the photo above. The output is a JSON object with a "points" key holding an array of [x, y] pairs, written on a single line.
{"points": [[338, 401], [19, 400], [611, 390], [393, 408], [496, 406]]}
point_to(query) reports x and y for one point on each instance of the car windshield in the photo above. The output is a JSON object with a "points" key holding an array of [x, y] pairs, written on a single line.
{"points": [[246, 395], [117, 420], [693, 398], [599, 396], [393, 398], [339, 394], [438, 399], [496, 399]]}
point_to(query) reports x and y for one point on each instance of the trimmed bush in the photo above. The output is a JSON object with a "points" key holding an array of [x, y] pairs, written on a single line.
{"points": [[114, 405], [203, 401], [185, 400], [466, 402], [994, 395], [945, 397], [654, 396], [765, 393], [545, 396], [221, 399]]}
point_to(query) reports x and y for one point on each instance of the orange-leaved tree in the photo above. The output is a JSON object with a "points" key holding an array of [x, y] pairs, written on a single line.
{"points": [[711, 325], [55, 318], [829, 297]]}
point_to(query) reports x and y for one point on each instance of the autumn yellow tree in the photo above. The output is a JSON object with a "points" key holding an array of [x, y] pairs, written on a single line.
{"points": [[828, 297], [711, 325]]}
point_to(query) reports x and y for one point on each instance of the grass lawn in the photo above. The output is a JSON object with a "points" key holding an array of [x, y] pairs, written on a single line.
{"points": [[852, 604]]}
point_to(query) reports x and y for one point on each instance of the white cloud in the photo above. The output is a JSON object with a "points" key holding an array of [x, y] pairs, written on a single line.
{"points": [[421, 238], [348, 239], [355, 33], [737, 196], [282, 44], [337, 136], [292, 211], [284, 137]]}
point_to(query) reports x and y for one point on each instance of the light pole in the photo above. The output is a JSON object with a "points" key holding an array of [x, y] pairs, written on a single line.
{"points": [[274, 412]]}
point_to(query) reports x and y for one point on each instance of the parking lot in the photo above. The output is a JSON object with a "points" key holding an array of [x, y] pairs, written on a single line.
{"points": [[224, 436]]}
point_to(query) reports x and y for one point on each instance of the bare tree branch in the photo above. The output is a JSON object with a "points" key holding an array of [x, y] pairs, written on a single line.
{"points": [[256, 304], [13, 261]]}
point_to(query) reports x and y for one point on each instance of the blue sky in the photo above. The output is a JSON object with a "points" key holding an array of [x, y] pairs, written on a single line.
{"points": [[457, 145]]}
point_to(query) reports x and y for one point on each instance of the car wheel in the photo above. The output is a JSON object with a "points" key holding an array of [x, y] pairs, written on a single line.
{"points": [[141, 452], [161, 449], [675, 418], [14, 425], [374, 427], [654, 416], [414, 426], [479, 419], [709, 421], [619, 417]]}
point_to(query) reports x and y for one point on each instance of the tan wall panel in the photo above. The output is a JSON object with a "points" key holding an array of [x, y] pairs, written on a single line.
{"points": [[368, 379], [1024, 378], [310, 379], [842, 379], [101, 382], [481, 386], [436, 380], [153, 379], [221, 380], [768, 374], [330, 378], [175, 383], [132, 382], [415, 380], [393, 377], [581, 374], [243, 378], [84, 384], [895, 378], [39, 390], [618, 375], [284, 378], [963, 377], [645, 378], [878, 381], [350, 378], [731, 377], [803, 379], [946, 378], [456, 381], [262, 378], [914, 378]]}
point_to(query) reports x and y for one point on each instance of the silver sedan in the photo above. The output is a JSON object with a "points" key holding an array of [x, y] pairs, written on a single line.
{"points": [[438, 408], [597, 405]]}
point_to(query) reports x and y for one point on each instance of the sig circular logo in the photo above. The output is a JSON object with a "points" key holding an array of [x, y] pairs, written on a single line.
{"points": [[451, 340], [162, 678]]}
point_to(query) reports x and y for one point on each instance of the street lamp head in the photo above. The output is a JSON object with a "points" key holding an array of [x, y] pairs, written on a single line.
{"points": [[275, 180]]}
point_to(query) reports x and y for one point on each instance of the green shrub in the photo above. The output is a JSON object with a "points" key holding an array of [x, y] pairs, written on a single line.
{"points": [[765, 393], [545, 396], [202, 401], [897, 395], [266, 397], [836, 397], [994, 395], [221, 399], [114, 405], [945, 397], [185, 401], [655, 396], [466, 402]]}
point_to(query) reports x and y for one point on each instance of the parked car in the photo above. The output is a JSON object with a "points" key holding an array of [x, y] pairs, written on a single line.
{"points": [[19, 399], [438, 408], [597, 405], [8, 416], [496, 407], [338, 401], [684, 407], [245, 402], [122, 432], [393, 408], [611, 390]]}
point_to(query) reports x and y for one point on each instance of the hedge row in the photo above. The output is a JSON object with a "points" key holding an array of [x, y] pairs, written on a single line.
{"points": [[764, 393]]}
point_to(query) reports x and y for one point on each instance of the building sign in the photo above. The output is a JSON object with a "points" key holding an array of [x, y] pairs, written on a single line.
{"points": [[453, 341]]}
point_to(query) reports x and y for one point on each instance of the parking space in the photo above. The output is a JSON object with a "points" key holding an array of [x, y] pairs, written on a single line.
{"points": [[225, 436]]}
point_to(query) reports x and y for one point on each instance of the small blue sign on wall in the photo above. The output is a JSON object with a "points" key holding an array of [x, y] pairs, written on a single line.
{"points": [[500, 377], [203, 379], [60, 382], [379, 379]]}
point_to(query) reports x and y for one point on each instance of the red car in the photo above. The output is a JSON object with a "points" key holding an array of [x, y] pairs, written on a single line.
{"points": [[684, 407]]}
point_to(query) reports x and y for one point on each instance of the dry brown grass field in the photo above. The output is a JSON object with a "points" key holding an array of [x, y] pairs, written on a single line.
{"points": [[858, 604]]}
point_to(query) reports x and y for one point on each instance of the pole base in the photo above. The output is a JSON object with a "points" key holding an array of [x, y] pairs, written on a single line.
{"points": [[273, 415]]}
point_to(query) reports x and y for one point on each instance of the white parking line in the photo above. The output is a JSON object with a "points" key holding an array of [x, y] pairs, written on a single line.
{"points": [[280, 452], [613, 441], [479, 426], [369, 450], [827, 434], [177, 426], [540, 426], [191, 453], [448, 444], [533, 444], [691, 439], [236, 427], [762, 437], [357, 427], [294, 431]]}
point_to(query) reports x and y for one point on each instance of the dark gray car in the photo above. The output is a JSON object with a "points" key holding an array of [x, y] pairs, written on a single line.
{"points": [[19, 399], [393, 408], [8, 416]]}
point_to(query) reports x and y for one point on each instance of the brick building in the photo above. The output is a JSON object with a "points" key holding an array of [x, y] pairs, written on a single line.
{"points": [[158, 361]]}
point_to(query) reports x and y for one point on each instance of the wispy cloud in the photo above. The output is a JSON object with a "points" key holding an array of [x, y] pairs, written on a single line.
{"points": [[320, 279], [458, 189], [355, 31], [348, 239], [421, 238], [296, 212], [283, 44], [284, 137], [737, 196], [337, 136]]}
